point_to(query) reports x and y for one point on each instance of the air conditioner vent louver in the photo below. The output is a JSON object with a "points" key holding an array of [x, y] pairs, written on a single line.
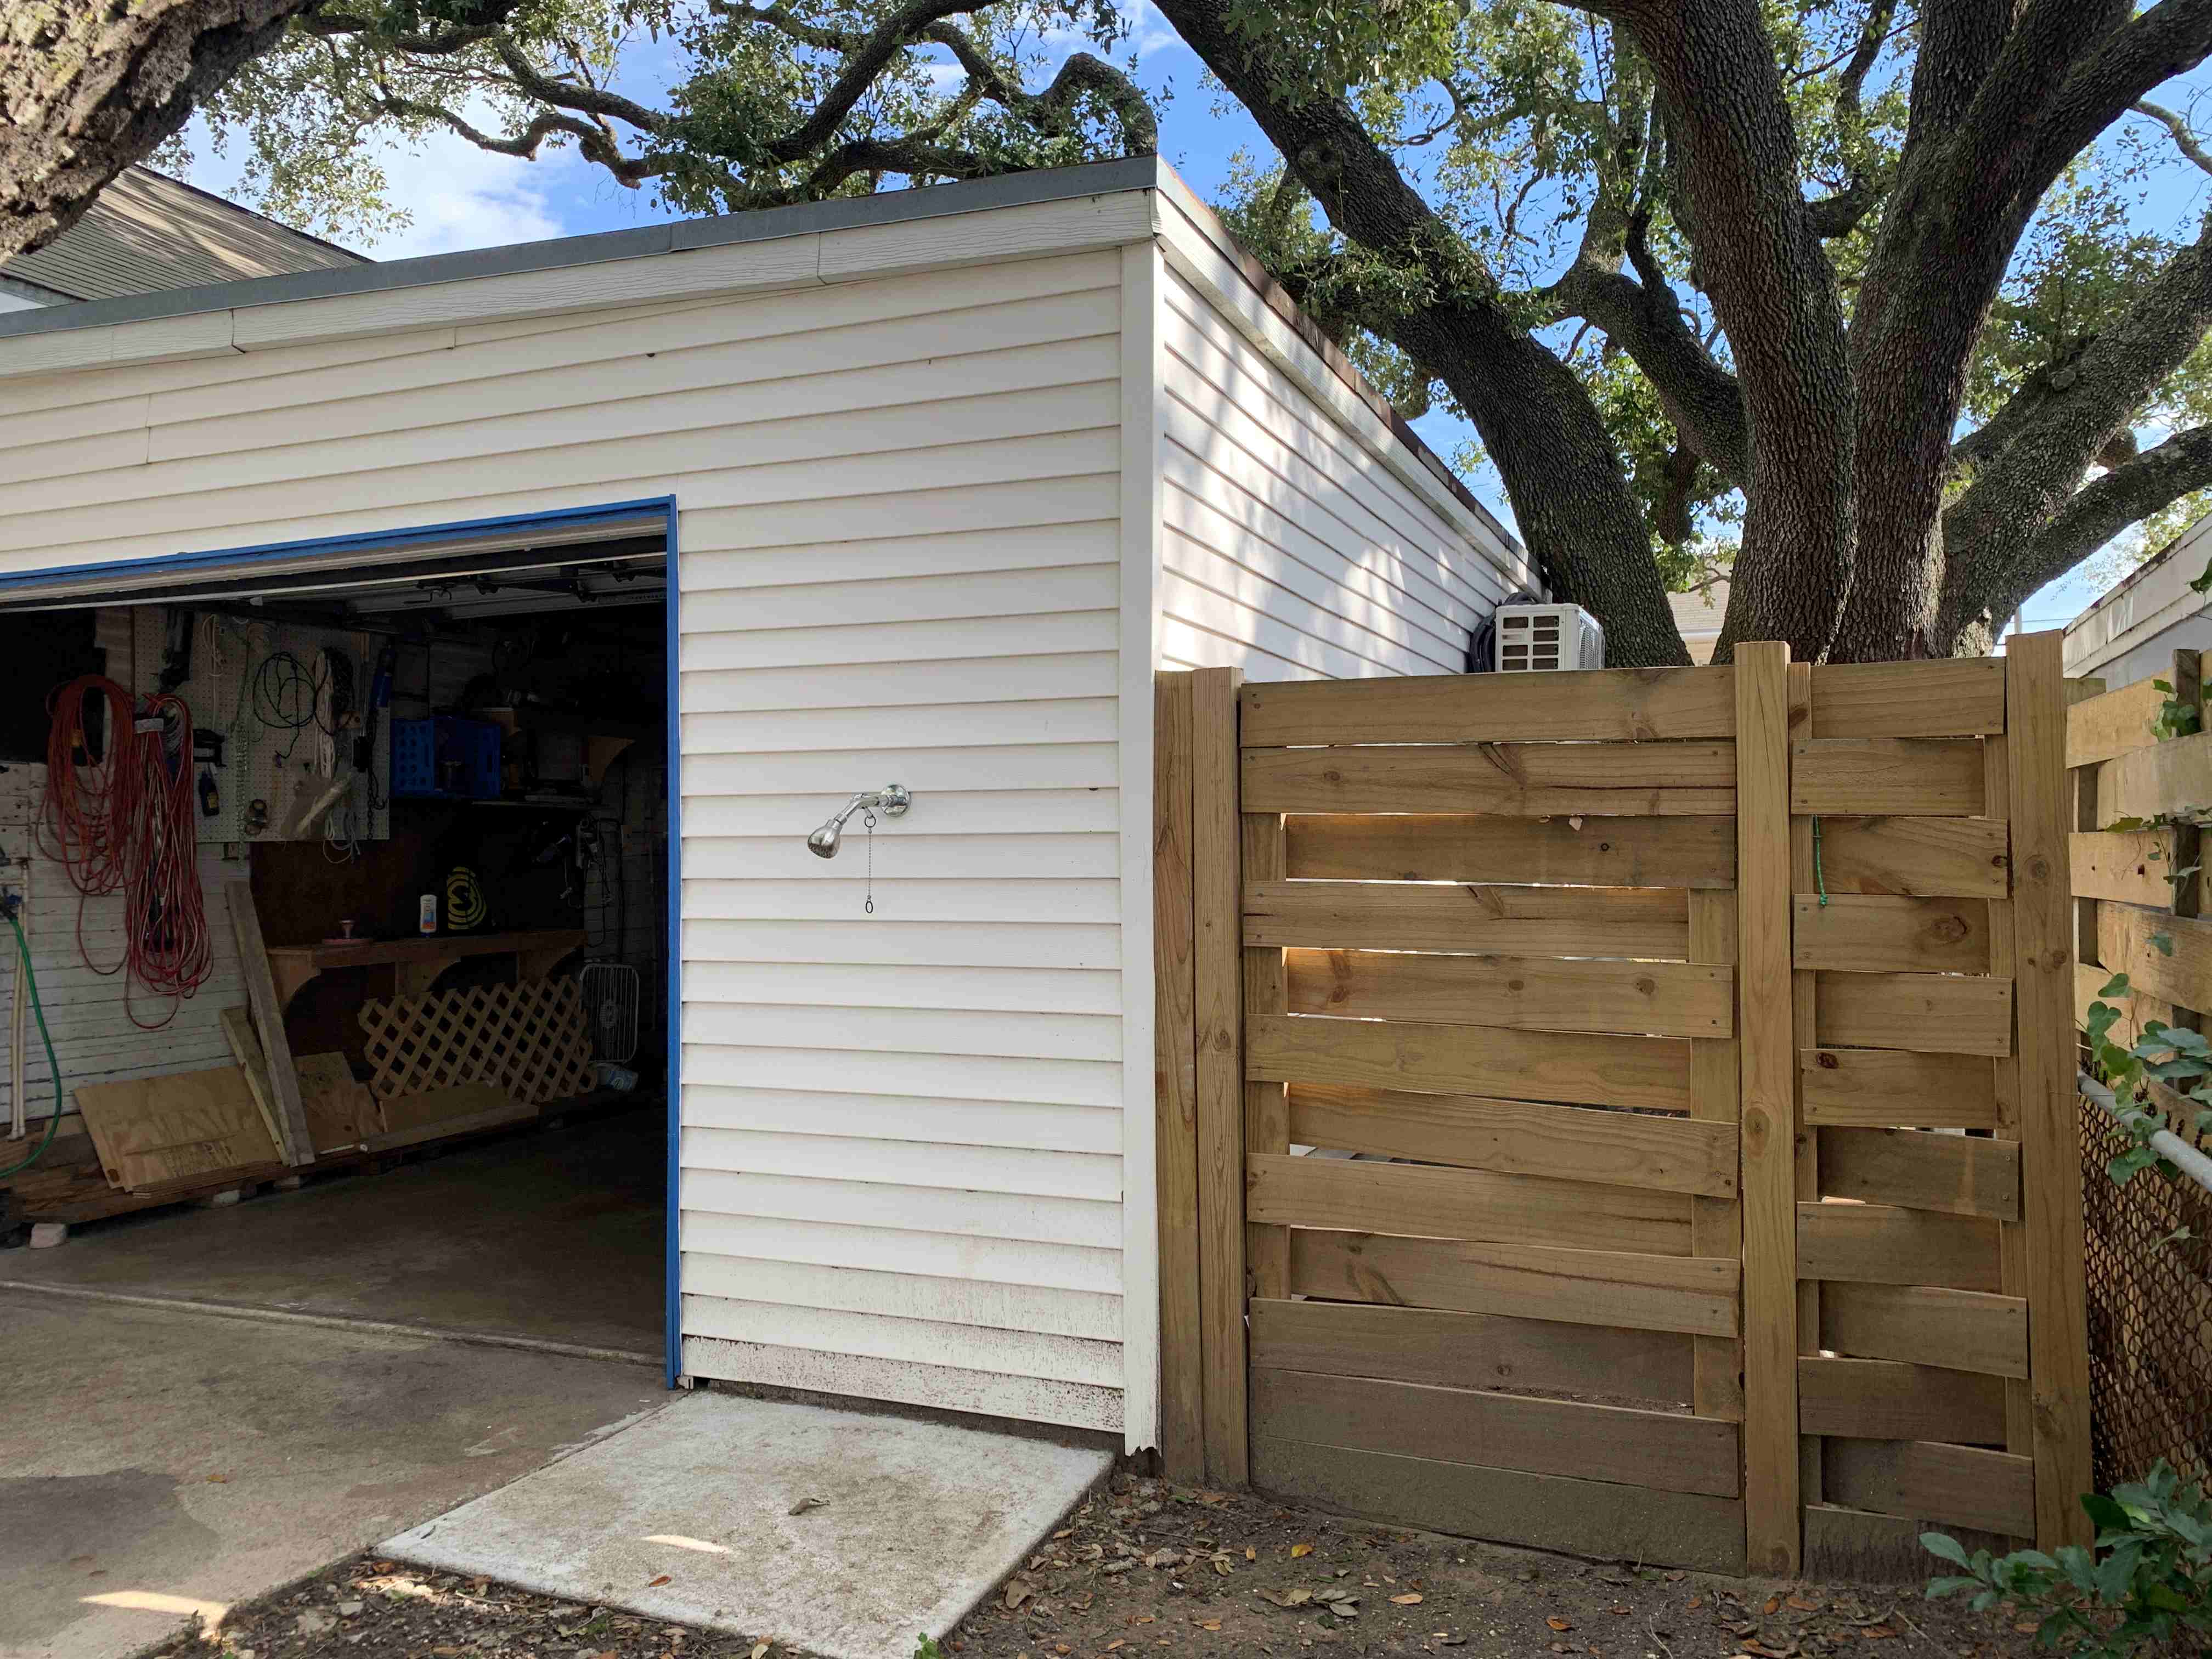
{"points": [[1536, 639]]}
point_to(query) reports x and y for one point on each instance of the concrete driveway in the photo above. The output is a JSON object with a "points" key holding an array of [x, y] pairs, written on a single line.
{"points": [[155, 1462]]}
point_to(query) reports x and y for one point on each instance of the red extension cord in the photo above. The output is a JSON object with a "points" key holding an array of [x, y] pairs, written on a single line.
{"points": [[125, 825]]}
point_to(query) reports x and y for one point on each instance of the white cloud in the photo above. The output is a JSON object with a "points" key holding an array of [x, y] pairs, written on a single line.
{"points": [[456, 195]]}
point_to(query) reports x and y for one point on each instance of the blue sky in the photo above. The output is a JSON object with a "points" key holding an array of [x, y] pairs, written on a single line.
{"points": [[462, 198]]}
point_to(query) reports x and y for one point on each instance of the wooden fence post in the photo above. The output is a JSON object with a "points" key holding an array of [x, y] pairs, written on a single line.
{"points": [[2050, 1161], [1773, 1522], [1217, 931], [1182, 1434]]}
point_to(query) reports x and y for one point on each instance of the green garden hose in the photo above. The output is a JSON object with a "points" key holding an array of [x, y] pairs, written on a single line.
{"points": [[53, 1067]]}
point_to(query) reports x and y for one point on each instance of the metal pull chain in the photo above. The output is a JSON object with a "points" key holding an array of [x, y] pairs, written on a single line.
{"points": [[868, 820]]}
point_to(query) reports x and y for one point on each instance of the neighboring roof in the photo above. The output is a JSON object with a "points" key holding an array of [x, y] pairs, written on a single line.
{"points": [[256, 319], [147, 233], [1699, 613]]}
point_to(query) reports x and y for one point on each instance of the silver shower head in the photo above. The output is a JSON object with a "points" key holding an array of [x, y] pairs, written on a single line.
{"points": [[892, 800]]}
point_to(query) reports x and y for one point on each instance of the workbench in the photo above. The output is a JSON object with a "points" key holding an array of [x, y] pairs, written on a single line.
{"points": [[415, 963]]}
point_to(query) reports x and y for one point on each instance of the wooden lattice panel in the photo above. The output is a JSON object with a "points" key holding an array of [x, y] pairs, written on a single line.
{"points": [[529, 1039]]}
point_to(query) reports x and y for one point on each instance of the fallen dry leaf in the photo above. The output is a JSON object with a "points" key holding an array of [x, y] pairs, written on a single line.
{"points": [[1117, 1643], [1018, 1593], [1558, 1623], [1804, 1605], [1773, 1605], [1298, 1550], [805, 1504], [1876, 1632], [1209, 1623], [1251, 1554], [2027, 1628], [1619, 1612], [1411, 1599], [650, 1582], [760, 1652], [1694, 1603]]}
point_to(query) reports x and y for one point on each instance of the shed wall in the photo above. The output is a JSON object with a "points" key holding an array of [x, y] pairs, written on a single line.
{"points": [[1288, 547]]}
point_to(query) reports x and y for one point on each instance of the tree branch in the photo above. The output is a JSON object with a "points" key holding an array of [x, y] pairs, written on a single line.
{"points": [[2074, 418], [2184, 139], [2108, 505]]}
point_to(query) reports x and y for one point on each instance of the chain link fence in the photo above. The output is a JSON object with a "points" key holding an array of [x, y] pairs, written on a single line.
{"points": [[2150, 1312]]}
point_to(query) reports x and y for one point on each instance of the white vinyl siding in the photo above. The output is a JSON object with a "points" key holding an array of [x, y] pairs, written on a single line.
{"points": [[1288, 548], [902, 1159], [900, 545]]}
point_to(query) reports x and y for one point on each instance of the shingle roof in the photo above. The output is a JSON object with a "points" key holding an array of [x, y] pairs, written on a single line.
{"points": [[147, 233]]}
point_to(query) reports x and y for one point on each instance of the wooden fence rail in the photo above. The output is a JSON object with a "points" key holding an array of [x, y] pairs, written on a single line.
{"points": [[1626, 1112]]}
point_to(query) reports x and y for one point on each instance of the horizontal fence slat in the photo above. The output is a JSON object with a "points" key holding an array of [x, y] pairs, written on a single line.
{"points": [[1621, 921], [1611, 780], [1663, 1450], [1927, 1481], [1879, 1244], [1540, 1511], [1928, 1013], [1528, 993], [1888, 1400], [1922, 1169], [2174, 776], [1883, 1088], [2181, 973], [1929, 1325], [1914, 857], [1959, 698], [1467, 1351], [1520, 1137], [1879, 933], [1576, 1068], [1687, 852], [1694, 1295], [1420, 1201], [1609, 705], [2128, 866], [2114, 723], [1938, 775]]}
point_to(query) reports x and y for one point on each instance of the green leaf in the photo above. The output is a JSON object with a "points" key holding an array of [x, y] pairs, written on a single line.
{"points": [[2115, 987], [1941, 1544]]}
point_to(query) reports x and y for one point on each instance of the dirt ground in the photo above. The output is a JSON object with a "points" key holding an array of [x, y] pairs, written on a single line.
{"points": [[1147, 1566]]}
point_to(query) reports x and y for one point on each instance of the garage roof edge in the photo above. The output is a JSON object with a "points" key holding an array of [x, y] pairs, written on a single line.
{"points": [[679, 236]]}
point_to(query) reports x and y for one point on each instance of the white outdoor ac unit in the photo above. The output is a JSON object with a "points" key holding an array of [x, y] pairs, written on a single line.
{"points": [[1545, 638]]}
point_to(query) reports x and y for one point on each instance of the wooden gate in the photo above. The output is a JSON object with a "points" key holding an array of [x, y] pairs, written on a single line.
{"points": [[1628, 1113]]}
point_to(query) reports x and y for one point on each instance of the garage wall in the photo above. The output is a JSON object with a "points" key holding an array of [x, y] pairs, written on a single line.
{"points": [[900, 507], [95, 1038], [903, 1142]]}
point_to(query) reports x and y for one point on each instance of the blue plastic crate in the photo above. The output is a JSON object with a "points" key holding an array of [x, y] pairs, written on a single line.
{"points": [[421, 751]]}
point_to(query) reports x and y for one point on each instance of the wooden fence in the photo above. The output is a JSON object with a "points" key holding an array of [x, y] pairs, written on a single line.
{"points": [[1626, 1112]]}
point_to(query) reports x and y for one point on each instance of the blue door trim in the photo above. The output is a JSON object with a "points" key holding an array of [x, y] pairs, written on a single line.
{"points": [[26, 583]]}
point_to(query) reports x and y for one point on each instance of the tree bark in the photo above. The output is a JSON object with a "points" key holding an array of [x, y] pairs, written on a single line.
{"points": [[87, 88], [1761, 261]]}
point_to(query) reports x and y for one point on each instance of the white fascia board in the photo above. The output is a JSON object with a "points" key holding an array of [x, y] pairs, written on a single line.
{"points": [[740, 269]]}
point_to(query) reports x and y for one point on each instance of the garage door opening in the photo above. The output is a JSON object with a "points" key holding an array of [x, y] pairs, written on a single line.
{"points": [[343, 870]]}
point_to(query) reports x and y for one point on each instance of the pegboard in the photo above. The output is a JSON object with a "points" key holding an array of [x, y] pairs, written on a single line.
{"points": [[281, 767]]}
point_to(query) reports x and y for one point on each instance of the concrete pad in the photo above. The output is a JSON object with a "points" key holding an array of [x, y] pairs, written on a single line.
{"points": [[916, 1521], [154, 1462], [560, 1235]]}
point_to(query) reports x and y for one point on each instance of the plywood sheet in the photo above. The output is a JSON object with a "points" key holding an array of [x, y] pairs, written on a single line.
{"points": [[153, 1132]]}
